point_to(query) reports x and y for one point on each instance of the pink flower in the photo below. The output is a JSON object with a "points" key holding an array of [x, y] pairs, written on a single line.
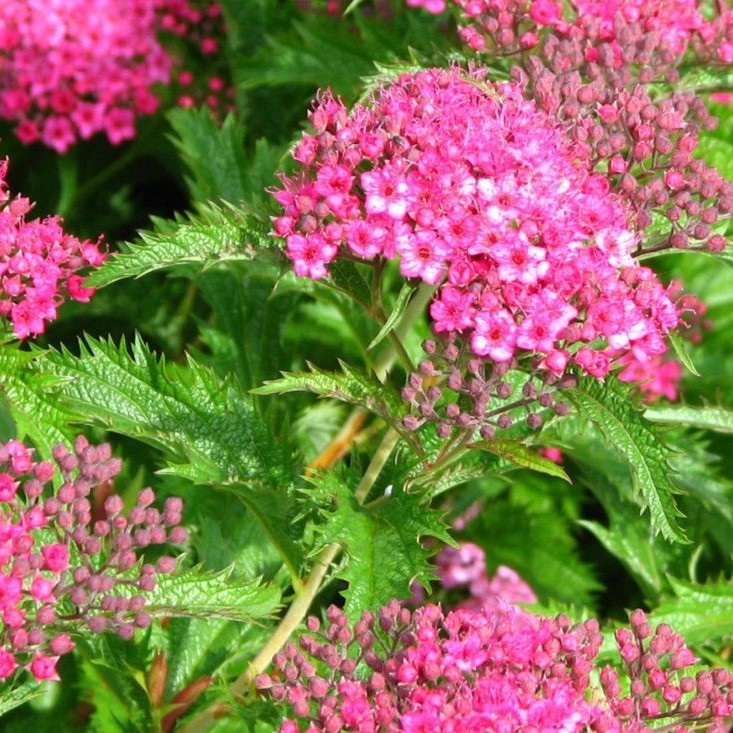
{"points": [[310, 255], [545, 12], [8, 665], [44, 668], [422, 256], [494, 336], [55, 557]]}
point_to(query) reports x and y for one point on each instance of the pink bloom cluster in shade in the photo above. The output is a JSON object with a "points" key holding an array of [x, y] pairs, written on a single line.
{"points": [[202, 76], [60, 568], [494, 669], [39, 265], [465, 567], [73, 68], [476, 190]]}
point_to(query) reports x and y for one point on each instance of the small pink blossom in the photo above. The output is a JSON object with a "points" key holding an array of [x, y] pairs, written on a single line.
{"points": [[44, 668]]}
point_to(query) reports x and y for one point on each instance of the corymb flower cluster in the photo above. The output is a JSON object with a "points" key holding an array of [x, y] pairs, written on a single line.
{"points": [[71, 69], [65, 564], [491, 669], [39, 264], [479, 192]]}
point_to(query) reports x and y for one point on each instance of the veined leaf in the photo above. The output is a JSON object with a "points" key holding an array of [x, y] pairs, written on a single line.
{"points": [[13, 696], [31, 397], [609, 406], [383, 544], [196, 593], [682, 353], [346, 386], [701, 613], [215, 154], [215, 235], [717, 419], [523, 456], [207, 427]]}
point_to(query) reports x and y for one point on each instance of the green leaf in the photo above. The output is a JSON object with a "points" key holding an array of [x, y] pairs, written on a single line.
{"points": [[717, 419], [346, 386], [701, 613], [196, 593], [213, 236], [349, 278], [609, 406], [403, 297], [199, 648], [682, 352], [13, 696], [522, 455], [317, 55], [207, 427], [214, 154], [32, 400], [382, 543]]}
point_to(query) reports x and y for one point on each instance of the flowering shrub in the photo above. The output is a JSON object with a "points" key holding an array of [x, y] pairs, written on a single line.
{"points": [[453, 312]]}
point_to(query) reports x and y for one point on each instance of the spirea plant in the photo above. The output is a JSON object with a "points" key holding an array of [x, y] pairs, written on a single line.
{"points": [[366, 366]]}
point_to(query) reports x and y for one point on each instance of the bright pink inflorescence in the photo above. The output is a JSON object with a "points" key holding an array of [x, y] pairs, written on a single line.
{"points": [[73, 68], [60, 568], [476, 190], [39, 265], [494, 669]]}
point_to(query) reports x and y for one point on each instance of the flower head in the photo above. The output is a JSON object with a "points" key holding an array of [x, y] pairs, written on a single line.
{"points": [[62, 565], [39, 263]]}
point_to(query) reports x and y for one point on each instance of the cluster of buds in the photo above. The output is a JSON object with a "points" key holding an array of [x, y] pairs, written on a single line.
{"points": [[462, 393], [39, 264], [62, 569], [202, 73], [656, 683], [494, 668]]}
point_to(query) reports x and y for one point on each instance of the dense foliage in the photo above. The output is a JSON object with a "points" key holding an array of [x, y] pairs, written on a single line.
{"points": [[414, 314]]}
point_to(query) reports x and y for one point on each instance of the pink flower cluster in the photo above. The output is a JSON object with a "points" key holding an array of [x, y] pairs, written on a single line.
{"points": [[500, 670], [204, 77], [60, 568], [465, 567], [661, 376], [521, 21], [73, 68], [493, 669], [39, 265], [477, 190], [77, 67]]}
